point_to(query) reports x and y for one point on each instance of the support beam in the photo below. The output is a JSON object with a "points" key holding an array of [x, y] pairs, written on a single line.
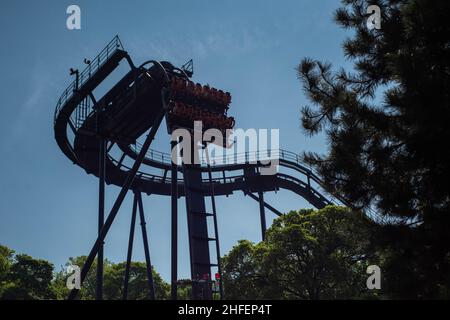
{"points": [[262, 215], [130, 62], [130, 249], [115, 209], [174, 231], [101, 217], [122, 157], [164, 176], [111, 145], [91, 95], [148, 262], [268, 206], [199, 240]]}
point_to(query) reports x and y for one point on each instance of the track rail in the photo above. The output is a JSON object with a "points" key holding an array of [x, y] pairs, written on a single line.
{"points": [[76, 107]]}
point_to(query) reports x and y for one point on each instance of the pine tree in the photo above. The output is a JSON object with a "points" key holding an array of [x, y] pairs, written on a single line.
{"points": [[388, 119], [388, 124]]}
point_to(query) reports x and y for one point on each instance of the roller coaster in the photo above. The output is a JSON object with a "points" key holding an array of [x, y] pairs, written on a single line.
{"points": [[103, 135]]}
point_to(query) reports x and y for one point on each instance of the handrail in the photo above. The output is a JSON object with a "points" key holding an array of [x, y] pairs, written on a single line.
{"points": [[261, 155], [154, 177], [235, 158], [112, 47]]}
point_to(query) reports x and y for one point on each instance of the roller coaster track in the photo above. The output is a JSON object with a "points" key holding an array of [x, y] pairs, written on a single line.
{"points": [[76, 114], [102, 137]]}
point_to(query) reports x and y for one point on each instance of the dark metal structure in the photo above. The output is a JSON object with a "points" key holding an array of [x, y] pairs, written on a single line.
{"points": [[88, 128]]}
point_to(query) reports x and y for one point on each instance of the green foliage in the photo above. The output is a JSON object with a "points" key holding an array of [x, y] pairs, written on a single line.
{"points": [[24, 278], [6, 259], [307, 254], [113, 279], [184, 289], [242, 275]]}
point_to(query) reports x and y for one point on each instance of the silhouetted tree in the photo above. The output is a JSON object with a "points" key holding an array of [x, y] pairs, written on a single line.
{"points": [[387, 123]]}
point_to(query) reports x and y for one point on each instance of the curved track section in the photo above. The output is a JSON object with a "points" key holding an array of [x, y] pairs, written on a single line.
{"points": [[76, 125]]}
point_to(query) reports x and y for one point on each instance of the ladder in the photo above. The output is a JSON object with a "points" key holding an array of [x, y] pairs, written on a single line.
{"points": [[199, 238]]}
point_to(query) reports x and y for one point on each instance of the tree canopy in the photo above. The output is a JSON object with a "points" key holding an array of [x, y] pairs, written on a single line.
{"points": [[25, 278], [113, 279], [307, 254]]}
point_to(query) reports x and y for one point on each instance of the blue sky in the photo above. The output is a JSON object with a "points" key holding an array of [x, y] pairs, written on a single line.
{"points": [[48, 206]]}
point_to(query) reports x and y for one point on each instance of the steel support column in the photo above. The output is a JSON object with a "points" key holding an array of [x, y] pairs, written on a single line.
{"points": [[130, 249], [262, 214], [148, 262], [101, 217], [115, 209], [174, 231], [268, 206]]}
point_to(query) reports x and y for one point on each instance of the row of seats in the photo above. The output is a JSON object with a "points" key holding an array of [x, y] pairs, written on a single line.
{"points": [[209, 119], [182, 87]]}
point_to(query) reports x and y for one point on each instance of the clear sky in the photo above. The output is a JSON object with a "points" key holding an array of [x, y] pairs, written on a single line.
{"points": [[48, 206]]}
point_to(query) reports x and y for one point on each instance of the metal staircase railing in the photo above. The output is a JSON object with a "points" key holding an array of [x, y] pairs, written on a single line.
{"points": [[113, 46], [81, 113]]}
